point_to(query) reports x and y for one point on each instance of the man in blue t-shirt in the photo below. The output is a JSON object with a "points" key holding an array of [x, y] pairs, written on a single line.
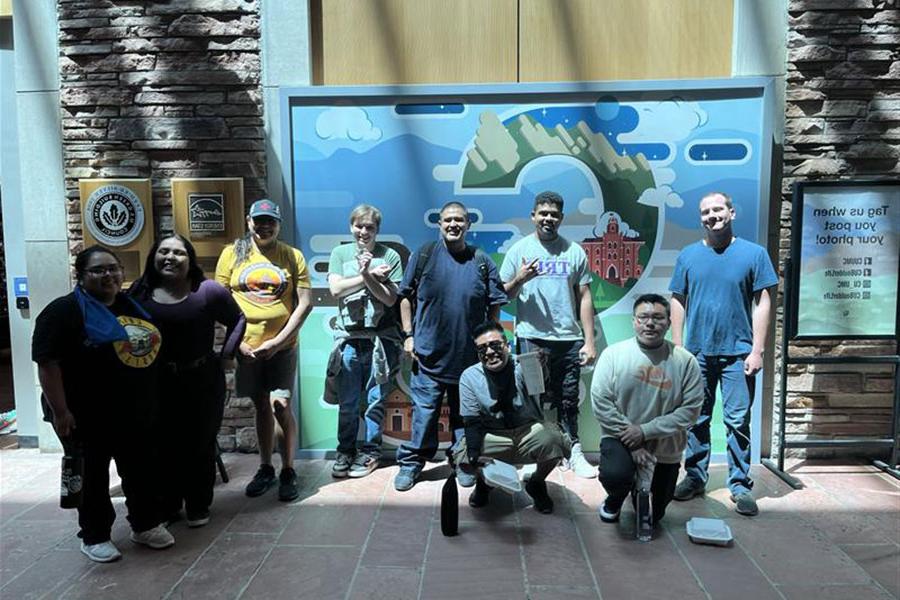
{"points": [[550, 279], [721, 286], [455, 290]]}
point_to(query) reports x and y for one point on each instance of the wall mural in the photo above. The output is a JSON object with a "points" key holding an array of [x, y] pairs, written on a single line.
{"points": [[631, 166]]}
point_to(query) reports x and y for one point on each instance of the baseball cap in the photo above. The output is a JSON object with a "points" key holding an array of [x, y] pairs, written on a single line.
{"points": [[265, 208]]}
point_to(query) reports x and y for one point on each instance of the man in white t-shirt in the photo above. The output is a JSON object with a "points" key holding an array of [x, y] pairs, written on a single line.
{"points": [[548, 276]]}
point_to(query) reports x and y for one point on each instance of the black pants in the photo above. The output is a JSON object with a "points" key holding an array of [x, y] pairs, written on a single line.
{"points": [[191, 407], [617, 471], [131, 449], [562, 383]]}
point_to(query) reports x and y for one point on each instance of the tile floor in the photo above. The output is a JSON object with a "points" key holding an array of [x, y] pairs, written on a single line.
{"points": [[839, 537]]}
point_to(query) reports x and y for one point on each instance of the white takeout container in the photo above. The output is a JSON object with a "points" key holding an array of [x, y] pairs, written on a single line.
{"points": [[709, 531], [502, 475]]}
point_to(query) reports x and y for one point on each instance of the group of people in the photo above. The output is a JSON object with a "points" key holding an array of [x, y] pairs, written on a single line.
{"points": [[153, 346]]}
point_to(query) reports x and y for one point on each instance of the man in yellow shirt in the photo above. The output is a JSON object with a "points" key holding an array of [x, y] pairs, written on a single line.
{"points": [[270, 282]]}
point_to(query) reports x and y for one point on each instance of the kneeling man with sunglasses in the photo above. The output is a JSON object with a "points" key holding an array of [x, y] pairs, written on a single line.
{"points": [[502, 421]]}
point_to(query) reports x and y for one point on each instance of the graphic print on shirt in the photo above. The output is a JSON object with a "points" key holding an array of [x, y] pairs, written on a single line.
{"points": [[263, 283], [654, 376], [553, 267], [143, 343]]}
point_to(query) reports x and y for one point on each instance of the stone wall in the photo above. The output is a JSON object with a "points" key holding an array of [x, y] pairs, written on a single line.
{"points": [[162, 90], [842, 122]]}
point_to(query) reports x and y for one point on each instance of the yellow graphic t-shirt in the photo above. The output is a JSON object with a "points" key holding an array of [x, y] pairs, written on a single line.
{"points": [[263, 286]]}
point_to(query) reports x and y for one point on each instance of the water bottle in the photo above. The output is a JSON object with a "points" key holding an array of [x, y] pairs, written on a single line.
{"points": [[72, 476], [644, 516], [450, 507]]}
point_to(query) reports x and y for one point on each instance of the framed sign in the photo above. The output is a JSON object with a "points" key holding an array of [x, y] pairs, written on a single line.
{"points": [[845, 251], [118, 214], [210, 213]]}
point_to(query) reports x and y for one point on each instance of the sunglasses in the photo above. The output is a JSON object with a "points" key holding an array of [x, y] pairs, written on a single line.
{"points": [[494, 346]]}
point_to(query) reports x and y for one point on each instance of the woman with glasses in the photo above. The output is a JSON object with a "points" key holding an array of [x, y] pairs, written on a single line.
{"points": [[186, 307], [270, 282], [96, 351]]}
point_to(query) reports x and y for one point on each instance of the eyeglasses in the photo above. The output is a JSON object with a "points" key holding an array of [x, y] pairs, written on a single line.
{"points": [[644, 319], [493, 346], [107, 270]]}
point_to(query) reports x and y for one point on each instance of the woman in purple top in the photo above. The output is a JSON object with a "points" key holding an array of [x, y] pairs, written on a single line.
{"points": [[186, 307]]}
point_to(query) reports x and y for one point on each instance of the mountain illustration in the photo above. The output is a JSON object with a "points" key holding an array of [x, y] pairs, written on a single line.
{"points": [[501, 150]]}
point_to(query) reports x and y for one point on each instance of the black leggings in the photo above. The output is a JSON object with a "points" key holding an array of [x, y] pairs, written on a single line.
{"points": [[191, 406], [617, 471]]}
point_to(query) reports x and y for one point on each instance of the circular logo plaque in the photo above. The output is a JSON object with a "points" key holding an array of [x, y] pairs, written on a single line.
{"points": [[114, 215]]}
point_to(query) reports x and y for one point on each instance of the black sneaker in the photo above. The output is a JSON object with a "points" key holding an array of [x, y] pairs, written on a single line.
{"points": [[262, 481], [287, 485], [198, 519], [543, 503], [481, 495], [341, 466], [607, 514], [362, 465]]}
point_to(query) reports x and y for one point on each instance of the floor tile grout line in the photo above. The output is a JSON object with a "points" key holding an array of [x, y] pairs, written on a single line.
{"points": [[53, 548], [584, 552], [207, 549], [427, 545], [873, 581], [275, 544], [362, 551], [759, 568], [844, 505], [519, 541], [687, 562]]}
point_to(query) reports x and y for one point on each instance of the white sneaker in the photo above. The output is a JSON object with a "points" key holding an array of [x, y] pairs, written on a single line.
{"points": [[157, 538], [103, 552], [579, 464]]}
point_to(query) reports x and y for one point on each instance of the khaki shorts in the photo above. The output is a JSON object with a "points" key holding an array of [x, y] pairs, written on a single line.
{"points": [[535, 443]]}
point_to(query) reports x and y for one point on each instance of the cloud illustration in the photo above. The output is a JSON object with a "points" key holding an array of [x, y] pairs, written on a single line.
{"points": [[346, 123], [624, 228], [661, 196], [445, 172], [590, 206], [667, 121]]}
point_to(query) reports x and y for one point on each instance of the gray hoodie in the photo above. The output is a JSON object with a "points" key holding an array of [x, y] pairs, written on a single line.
{"points": [[659, 389]]}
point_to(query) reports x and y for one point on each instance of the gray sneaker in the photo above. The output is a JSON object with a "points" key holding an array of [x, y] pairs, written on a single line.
{"points": [[688, 488], [406, 478], [363, 464], [744, 504], [341, 467]]}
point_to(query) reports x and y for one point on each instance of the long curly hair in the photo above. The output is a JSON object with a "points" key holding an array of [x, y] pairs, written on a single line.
{"points": [[151, 279]]}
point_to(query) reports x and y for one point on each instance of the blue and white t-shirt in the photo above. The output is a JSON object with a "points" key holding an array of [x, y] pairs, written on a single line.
{"points": [[547, 306]]}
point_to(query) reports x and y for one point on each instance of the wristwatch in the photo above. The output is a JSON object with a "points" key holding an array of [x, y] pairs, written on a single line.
{"points": [[407, 334]]}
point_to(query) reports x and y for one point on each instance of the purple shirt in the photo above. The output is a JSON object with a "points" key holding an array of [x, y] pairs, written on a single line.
{"points": [[188, 327]]}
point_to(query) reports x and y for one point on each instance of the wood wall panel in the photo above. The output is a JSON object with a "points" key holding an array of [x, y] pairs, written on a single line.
{"points": [[583, 40], [414, 41]]}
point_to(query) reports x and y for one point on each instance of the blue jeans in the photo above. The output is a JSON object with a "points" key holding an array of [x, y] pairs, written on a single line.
{"points": [[562, 384], [427, 399], [356, 381], [737, 398]]}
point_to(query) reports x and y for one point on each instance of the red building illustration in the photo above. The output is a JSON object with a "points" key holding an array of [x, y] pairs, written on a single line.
{"points": [[613, 256], [398, 418]]}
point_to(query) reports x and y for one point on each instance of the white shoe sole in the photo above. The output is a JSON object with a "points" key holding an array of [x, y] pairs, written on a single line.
{"points": [[154, 545], [100, 559]]}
